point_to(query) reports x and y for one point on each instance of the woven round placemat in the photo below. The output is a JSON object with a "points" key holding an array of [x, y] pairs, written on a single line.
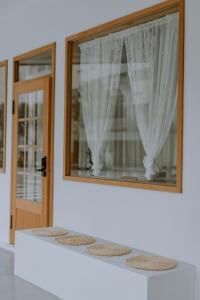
{"points": [[107, 249], [75, 240], [153, 263], [50, 232]]}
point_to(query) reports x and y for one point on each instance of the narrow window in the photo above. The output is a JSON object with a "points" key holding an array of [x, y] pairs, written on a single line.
{"points": [[3, 104]]}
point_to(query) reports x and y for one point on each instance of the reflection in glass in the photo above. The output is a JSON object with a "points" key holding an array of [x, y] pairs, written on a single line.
{"points": [[2, 112], [30, 128], [36, 66]]}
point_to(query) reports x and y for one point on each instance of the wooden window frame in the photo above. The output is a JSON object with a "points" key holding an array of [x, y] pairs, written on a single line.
{"points": [[5, 65], [145, 15], [27, 55]]}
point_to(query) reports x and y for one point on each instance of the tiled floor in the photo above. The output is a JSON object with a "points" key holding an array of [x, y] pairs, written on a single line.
{"points": [[14, 288]]}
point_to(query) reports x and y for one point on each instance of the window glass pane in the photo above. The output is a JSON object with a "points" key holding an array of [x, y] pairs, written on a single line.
{"points": [[2, 112], [36, 66], [124, 104], [29, 152]]}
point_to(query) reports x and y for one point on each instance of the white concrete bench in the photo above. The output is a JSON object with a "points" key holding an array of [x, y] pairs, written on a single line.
{"points": [[71, 274]]}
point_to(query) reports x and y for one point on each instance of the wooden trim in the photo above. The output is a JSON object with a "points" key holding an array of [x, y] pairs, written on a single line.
{"points": [[135, 18], [30, 206], [15, 81], [52, 119], [67, 110], [144, 15], [5, 65], [46, 151], [13, 175], [138, 185], [31, 82], [35, 52]]}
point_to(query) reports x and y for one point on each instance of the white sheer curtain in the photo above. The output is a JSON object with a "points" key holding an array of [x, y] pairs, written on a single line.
{"points": [[99, 73], [152, 51]]}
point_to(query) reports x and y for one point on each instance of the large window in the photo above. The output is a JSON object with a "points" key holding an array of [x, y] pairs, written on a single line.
{"points": [[3, 102], [124, 101]]}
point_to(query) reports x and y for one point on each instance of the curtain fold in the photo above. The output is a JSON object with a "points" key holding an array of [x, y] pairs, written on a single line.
{"points": [[99, 73], [152, 52]]}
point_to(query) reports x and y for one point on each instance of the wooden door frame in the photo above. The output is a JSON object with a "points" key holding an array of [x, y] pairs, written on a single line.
{"points": [[16, 60]]}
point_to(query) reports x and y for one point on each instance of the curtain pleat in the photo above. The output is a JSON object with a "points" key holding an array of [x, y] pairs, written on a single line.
{"points": [[152, 53]]}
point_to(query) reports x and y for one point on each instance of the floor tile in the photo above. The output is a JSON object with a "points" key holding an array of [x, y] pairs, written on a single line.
{"points": [[14, 288]]}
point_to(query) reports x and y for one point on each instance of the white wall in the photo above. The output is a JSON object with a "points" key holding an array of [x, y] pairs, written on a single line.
{"points": [[164, 223]]}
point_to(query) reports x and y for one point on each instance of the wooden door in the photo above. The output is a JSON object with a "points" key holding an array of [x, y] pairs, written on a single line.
{"points": [[30, 163]]}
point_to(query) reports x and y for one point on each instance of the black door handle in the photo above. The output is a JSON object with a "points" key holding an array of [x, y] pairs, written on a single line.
{"points": [[43, 168]]}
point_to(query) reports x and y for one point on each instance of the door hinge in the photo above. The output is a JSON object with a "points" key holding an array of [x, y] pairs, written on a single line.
{"points": [[13, 107], [11, 221]]}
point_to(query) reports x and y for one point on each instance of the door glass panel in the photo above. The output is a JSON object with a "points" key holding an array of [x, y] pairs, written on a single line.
{"points": [[29, 149], [36, 66]]}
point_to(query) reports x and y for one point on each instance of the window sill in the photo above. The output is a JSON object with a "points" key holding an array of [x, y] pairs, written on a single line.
{"points": [[139, 185]]}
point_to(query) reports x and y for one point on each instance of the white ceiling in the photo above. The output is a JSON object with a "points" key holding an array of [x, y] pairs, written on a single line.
{"points": [[9, 8]]}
